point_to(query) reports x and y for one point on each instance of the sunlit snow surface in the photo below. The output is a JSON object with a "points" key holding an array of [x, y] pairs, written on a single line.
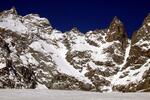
{"points": [[2, 65], [11, 24], [68, 95]]}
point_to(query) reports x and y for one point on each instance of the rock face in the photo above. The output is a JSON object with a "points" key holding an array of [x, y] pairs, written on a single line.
{"points": [[34, 55], [135, 73]]}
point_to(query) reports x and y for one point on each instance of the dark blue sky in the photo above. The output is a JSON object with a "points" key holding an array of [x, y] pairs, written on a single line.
{"points": [[84, 14]]}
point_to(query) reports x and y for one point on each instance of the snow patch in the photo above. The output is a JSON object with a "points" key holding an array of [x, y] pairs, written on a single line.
{"points": [[13, 24], [28, 58], [145, 45], [41, 86], [2, 65]]}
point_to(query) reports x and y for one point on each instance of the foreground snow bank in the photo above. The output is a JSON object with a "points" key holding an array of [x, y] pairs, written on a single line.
{"points": [[68, 95]]}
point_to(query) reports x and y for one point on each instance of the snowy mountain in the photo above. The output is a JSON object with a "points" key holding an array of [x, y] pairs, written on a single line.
{"points": [[35, 55]]}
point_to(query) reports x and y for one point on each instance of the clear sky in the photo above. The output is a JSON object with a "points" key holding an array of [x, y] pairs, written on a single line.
{"points": [[84, 14]]}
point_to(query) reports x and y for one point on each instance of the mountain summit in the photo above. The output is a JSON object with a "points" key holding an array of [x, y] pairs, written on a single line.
{"points": [[34, 55]]}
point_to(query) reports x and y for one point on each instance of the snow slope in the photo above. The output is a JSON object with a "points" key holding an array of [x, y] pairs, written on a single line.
{"points": [[68, 95], [58, 56]]}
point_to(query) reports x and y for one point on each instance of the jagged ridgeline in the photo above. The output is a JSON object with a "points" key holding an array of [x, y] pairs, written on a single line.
{"points": [[34, 55]]}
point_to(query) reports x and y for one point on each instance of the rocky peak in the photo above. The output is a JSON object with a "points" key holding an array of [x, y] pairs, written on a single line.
{"points": [[73, 33], [116, 25], [8, 12], [13, 11], [75, 30], [143, 34], [116, 32], [147, 20], [116, 20]]}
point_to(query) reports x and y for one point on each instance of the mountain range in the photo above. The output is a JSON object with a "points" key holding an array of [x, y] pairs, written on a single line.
{"points": [[34, 55]]}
